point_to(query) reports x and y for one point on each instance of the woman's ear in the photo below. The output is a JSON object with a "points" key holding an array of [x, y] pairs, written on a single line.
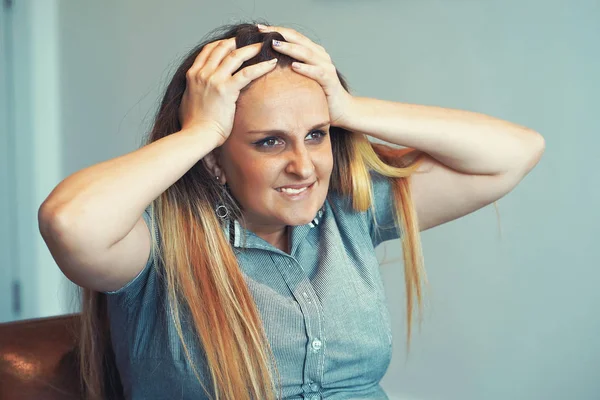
{"points": [[211, 161]]}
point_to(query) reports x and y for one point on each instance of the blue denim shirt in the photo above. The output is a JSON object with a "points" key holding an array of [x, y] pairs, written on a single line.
{"points": [[323, 307]]}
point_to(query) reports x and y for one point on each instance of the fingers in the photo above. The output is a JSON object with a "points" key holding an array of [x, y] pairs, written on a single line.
{"points": [[218, 60], [296, 37], [202, 57], [318, 73], [302, 53], [248, 74], [218, 53], [236, 58], [289, 34]]}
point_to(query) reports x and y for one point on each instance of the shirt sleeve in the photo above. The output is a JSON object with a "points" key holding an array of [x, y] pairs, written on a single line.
{"points": [[381, 220], [144, 282]]}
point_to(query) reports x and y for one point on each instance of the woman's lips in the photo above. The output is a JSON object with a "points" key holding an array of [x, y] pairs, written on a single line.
{"points": [[295, 191]]}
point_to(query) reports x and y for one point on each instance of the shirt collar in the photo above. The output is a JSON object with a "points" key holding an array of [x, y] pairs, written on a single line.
{"points": [[233, 230]]}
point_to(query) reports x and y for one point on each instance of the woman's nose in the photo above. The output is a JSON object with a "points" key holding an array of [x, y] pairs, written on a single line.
{"points": [[300, 163]]}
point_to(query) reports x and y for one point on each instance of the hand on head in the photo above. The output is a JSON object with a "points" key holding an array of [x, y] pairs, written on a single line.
{"points": [[315, 64], [274, 150], [212, 87]]}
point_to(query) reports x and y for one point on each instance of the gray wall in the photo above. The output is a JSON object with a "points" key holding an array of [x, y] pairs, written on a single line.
{"points": [[510, 313]]}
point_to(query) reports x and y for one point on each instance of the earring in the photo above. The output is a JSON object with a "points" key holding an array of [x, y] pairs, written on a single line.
{"points": [[222, 211], [217, 178]]}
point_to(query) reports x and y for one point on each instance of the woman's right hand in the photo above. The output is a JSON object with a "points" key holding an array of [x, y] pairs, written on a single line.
{"points": [[212, 91]]}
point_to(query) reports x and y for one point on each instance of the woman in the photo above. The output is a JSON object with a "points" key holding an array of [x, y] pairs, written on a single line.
{"points": [[236, 259]]}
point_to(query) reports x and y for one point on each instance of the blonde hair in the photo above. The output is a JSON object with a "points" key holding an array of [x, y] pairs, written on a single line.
{"points": [[212, 288]]}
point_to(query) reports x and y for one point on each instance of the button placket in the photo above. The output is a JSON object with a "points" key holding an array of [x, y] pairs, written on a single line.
{"points": [[313, 321]]}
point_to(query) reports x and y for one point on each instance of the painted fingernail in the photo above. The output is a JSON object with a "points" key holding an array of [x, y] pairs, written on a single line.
{"points": [[276, 43]]}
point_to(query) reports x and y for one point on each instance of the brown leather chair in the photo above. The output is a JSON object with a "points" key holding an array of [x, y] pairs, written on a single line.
{"points": [[38, 359]]}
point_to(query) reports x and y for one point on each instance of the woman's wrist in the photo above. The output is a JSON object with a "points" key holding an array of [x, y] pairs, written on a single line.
{"points": [[209, 135]]}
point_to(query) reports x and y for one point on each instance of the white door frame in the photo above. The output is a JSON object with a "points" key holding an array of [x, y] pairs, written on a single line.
{"points": [[8, 263], [34, 146]]}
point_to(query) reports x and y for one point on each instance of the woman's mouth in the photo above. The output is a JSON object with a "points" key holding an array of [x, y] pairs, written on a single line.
{"points": [[295, 191]]}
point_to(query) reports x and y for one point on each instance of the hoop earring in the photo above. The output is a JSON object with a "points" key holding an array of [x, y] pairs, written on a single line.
{"points": [[222, 211]]}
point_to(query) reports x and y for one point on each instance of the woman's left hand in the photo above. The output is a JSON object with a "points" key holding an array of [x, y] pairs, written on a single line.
{"points": [[316, 64]]}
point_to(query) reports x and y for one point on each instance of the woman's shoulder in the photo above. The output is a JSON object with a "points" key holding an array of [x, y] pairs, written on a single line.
{"points": [[381, 190], [379, 219]]}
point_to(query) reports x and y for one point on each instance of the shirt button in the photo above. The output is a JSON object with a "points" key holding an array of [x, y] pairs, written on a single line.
{"points": [[314, 387], [306, 297], [316, 344]]}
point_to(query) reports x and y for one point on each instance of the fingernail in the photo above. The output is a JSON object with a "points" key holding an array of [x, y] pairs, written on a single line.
{"points": [[261, 26], [276, 43]]}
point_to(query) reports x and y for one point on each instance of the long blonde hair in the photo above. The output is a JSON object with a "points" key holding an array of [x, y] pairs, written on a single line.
{"points": [[212, 288]]}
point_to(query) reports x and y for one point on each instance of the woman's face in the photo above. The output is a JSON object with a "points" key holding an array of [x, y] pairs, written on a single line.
{"points": [[278, 160]]}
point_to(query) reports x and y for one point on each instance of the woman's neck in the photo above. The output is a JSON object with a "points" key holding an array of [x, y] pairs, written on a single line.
{"points": [[276, 236]]}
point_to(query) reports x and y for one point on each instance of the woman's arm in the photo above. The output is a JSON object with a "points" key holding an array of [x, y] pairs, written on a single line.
{"points": [[465, 141], [473, 159], [92, 221]]}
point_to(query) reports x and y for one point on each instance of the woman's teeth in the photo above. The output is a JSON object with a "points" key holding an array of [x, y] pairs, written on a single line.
{"points": [[293, 191]]}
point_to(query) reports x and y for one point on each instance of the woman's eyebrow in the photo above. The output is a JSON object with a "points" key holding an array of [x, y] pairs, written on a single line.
{"points": [[282, 132]]}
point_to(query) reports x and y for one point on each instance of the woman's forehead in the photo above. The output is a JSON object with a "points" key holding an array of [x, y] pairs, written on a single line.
{"points": [[283, 91]]}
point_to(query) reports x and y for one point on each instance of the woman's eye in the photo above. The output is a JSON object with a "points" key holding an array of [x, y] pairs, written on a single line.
{"points": [[268, 142], [316, 135], [272, 142]]}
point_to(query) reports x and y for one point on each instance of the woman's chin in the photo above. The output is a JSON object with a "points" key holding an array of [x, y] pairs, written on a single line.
{"points": [[298, 220]]}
